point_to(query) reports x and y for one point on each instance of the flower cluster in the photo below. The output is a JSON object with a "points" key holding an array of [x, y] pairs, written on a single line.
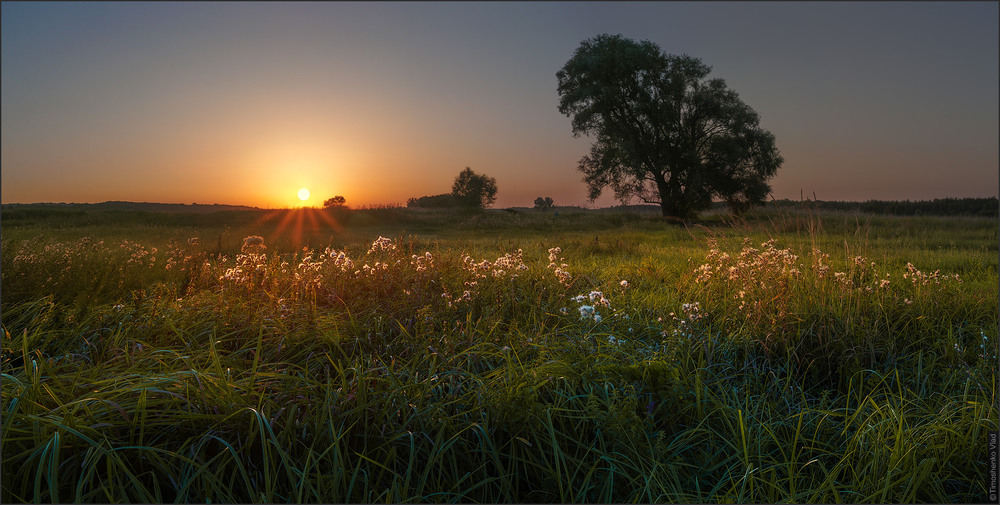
{"points": [[189, 257], [861, 274], [685, 323], [509, 265], [562, 274], [759, 281], [820, 264], [919, 278], [250, 269], [589, 304], [339, 260], [309, 271], [451, 300], [253, 245], [479, 269], [752, 266], [422, 263], [382, 244], [137, 254], [752, 278], [372, 270]]}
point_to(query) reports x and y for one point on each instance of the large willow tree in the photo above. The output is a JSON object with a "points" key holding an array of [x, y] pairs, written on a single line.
{"points": [[664, 132]]}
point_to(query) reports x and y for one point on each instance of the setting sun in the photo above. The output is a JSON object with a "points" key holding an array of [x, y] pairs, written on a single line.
{"points": [[303, 194]]}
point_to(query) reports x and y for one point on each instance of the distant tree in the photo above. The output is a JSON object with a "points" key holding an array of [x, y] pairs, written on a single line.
{"points": [[664, 132], [543, 203], [337, 201], [433, 202], [474, 190]]}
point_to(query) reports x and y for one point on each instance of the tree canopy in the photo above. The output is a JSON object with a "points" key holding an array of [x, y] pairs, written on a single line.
{"points": [[337, 201], [664, 132], [544, 203], [474, 190], [469, 190]]}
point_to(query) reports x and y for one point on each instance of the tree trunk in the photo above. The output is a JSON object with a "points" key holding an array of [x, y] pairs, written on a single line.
{"points": [[671, 199]]}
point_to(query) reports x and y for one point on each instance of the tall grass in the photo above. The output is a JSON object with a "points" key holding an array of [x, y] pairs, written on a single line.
{"points": [[501, 369]]}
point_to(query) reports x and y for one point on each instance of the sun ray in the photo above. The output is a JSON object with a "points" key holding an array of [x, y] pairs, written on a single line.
{"points": [[295, 224]]}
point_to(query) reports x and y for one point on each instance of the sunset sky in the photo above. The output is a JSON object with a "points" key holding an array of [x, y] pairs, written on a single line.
{"points": [[246, 103]]}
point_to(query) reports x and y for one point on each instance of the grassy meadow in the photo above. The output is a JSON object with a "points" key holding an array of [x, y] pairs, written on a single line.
{"points": [[398, 355]]}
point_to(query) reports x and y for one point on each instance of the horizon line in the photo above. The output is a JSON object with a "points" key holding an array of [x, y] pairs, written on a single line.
{"points": [[403, 205]]}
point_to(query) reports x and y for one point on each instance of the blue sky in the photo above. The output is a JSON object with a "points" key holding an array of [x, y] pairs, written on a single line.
{"points": [[245, 103]]}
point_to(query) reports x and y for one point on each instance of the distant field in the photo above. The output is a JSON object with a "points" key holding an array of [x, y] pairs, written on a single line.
{"points": [[397, 355]]}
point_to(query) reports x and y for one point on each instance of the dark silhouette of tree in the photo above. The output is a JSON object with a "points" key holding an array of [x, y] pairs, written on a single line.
{"points": [[433, 202], [474, 190], [337, 201], [664, 132], [544, 203]]}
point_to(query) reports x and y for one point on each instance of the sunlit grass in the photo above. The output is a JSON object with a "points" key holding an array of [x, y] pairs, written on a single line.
{"points": [[460, 366]]}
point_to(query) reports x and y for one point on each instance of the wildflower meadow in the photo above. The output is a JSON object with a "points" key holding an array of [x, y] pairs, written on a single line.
{"points": [[499, 357]]}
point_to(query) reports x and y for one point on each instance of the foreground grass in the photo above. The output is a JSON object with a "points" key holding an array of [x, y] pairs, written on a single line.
{"points": [[449, 366]]}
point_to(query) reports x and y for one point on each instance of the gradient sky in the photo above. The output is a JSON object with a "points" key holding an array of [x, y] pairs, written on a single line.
{"points": [[245, 103]]}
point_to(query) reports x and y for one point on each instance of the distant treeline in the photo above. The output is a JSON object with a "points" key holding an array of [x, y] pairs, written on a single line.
{"points": [[441, 201], [128, 206], [985, 207]]}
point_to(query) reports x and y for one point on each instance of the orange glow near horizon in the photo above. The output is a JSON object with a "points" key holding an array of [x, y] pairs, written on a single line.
{"points": [[293, 168]]}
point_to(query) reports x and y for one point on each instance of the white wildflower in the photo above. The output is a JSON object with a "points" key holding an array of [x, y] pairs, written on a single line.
{"points": [[382, 244]]}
